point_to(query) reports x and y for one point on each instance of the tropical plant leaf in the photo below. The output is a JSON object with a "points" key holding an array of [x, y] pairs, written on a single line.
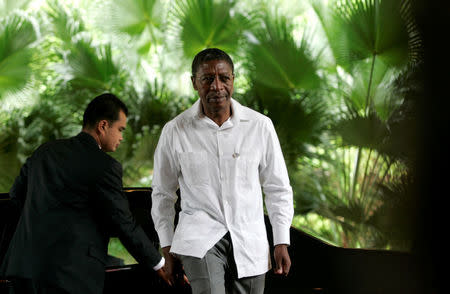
{"points": [[403, 141], [361, 131], [66, 23], [285, 84], [208, 23], [133, 16], [7, 7], [362, 29], [148, 112], [397, 217], [141, 21], [277, 61], [373, 86], [300, 117], [93, 67], [9, 161], [17, 35], [25, 130]]}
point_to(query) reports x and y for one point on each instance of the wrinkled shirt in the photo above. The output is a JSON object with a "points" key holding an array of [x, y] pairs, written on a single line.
{"points": [[220, 171]]}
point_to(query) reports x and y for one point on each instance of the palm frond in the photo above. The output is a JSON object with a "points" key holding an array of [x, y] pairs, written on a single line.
{"points": [[362, 29], [207, 23], [17, 35], [9, 6], [66, 23], [93, 67], [140, 22], [397, 217], [134, 16], [277, 61], [357, 89], [148, 112], [9, 161], [362, 131]]}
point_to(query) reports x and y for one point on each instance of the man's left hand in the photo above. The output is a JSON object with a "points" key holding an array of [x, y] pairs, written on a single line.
{"points": [[282, 259]]}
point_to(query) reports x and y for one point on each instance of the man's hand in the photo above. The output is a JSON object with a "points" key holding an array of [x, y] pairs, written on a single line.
{"points": [[163, 275], [282, 260], [173, 268]]}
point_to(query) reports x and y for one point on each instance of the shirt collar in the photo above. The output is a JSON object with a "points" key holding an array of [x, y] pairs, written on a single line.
{"points": [[88, 138], [237, 112]]}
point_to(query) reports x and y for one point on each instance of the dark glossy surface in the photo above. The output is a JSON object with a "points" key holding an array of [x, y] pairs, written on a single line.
{"points": [[317, 267]]}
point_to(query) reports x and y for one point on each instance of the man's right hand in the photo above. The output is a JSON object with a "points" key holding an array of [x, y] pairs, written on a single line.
{"points": [[165, 276], [173, 268]]}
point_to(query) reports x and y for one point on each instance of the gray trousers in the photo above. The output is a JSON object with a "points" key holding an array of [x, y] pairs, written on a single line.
{"points": [[216, 272]]}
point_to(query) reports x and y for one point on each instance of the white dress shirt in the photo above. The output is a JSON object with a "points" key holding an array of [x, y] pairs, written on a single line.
{"points": [[220, 172]]}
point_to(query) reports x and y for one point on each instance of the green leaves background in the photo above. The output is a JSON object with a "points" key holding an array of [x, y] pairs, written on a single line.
{"points": [[338, 78]]}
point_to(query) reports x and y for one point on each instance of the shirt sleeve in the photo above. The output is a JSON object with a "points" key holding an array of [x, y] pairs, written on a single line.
{"points": [[164, 185], [277, 189], [160, 264], [111, 200]]}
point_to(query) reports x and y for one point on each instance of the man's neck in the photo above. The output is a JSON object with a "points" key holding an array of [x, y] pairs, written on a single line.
{"points": [[218, 117], [93, 134]]}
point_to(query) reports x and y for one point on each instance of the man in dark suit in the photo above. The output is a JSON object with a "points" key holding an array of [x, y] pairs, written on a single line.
{"points": [[70, 196]]}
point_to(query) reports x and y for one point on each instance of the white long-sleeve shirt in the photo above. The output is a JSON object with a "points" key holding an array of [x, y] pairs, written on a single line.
{"points": [[220, 172]]}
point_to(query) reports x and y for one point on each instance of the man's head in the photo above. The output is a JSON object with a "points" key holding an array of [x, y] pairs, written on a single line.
{"points": [[105, 118], [213, 78]]}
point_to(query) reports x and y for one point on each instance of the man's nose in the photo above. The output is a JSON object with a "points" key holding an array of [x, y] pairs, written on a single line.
{"points": [[216, 84]]}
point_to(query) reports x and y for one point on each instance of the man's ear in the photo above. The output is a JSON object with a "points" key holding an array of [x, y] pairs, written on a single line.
{"points": [[193, 82], [101, 126]]}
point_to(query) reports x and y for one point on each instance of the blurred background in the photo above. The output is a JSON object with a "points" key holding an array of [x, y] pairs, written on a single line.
{"points": [[340, 79]]}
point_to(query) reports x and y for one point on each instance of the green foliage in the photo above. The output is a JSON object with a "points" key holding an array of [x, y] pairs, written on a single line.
{"points": [[93, 68], [148, 112], [208, 23], [277, 61], [9, 6], [347, 124], [135, 16], [285, 86], [17, 36], [65, 23], [9, 147], [142, 20], [368, 132], [116, 249], [372, 28]]}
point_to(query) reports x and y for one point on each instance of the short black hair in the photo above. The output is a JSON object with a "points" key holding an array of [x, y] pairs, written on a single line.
{"points": [[105, 106], [210, 54]]}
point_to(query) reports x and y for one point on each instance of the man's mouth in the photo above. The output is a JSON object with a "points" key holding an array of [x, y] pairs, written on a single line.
{"points": [[217, 99]]}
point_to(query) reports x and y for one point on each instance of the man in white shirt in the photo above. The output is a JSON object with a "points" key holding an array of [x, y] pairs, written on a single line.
{"points": [[219, 154]]}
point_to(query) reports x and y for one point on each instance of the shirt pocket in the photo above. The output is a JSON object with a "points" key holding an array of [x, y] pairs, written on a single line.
{"points": [[247, 170], [194, 168]]}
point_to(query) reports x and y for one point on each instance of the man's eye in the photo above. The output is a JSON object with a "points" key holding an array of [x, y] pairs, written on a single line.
{"points": [[208, 79]]}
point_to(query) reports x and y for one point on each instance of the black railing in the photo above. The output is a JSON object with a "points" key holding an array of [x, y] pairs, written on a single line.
{"points": [[317, 267]]}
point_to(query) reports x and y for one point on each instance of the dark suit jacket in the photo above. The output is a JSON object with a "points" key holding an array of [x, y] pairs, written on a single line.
{"points": [[70, 193]]}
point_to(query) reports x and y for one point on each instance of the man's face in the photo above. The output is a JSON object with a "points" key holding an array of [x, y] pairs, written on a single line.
{"points": [[214, 83], [111, 134]]}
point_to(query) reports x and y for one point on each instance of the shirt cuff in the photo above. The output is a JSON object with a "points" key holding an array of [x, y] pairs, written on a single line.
{"points": [[281, 236], [165, 238], [160, 264]]}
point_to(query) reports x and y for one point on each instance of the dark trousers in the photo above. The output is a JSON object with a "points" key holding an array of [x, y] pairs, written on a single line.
{"points": [[28, 286]]}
